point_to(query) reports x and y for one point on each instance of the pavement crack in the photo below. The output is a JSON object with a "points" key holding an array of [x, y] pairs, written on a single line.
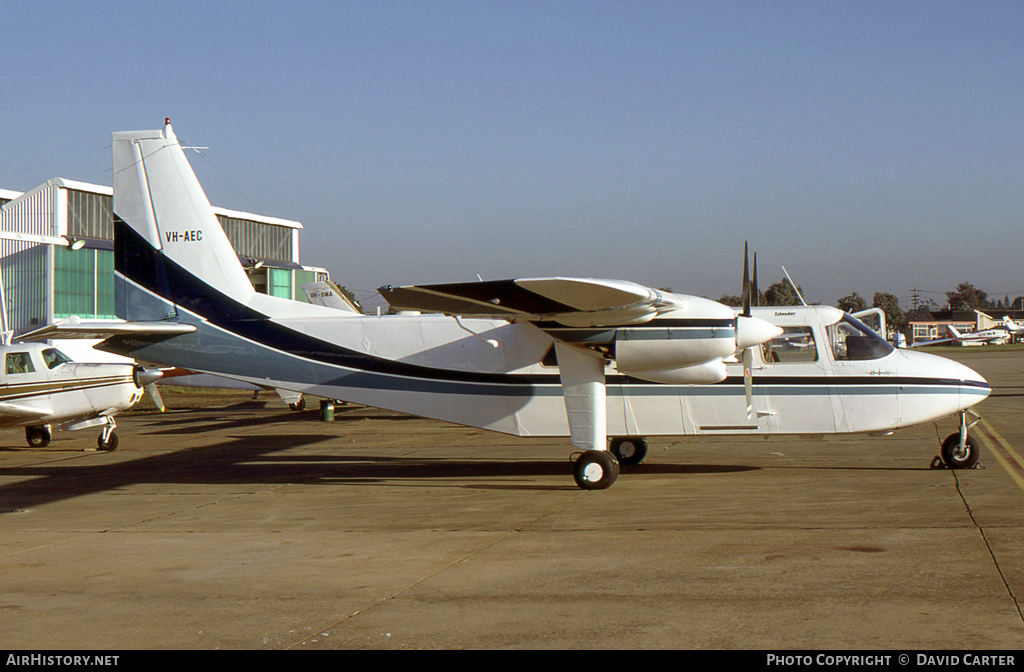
{"points": [[991, 552]]}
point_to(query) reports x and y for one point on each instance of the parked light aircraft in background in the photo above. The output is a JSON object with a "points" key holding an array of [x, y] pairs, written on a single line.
{"points": [[1012, 327], [327, 293], [996, 336], [40, 387], [551, 356]]}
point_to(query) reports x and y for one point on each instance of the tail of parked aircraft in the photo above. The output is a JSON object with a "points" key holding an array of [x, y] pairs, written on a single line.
{"points": [[953, 333], [152, 175]]}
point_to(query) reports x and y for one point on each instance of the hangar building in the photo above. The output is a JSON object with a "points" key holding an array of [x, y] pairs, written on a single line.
{"points": [[48, 282]]}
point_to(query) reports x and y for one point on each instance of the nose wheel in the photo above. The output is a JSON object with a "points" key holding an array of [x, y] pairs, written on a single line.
{"points": [[960, 455], [960, 449], [108, 439]]}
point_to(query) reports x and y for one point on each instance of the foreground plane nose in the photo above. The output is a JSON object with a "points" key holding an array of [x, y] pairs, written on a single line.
{"points": [[751, 331], [973, 386]]}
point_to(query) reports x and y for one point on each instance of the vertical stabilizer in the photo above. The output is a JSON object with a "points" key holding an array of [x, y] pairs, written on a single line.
{"points": [[157, 196]]}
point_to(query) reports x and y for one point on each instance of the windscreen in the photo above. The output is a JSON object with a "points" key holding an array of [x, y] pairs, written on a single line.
{"points": [[54, 358], [852, 340]]}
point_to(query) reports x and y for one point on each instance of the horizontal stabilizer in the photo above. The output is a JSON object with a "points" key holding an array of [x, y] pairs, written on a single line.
{"points": [[570, 301], [78, 329]]}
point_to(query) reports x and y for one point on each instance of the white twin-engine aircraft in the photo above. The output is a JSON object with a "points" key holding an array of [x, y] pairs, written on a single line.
{"points": [[531, 357]]}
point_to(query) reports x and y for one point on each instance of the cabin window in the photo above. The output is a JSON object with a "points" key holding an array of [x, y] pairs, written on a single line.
{"points": [[851, 340], [795, 344], [53, 358], [19, 362]]}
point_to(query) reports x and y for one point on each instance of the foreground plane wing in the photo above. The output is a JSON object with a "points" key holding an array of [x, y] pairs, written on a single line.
{"points": [[548, 356], [582, 302]]}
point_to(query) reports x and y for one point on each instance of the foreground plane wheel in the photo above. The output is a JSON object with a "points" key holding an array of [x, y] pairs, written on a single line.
{"points": [[956, 458], [109, 444], [629, 449], [37, 437], [595, 470], [299, 405]]}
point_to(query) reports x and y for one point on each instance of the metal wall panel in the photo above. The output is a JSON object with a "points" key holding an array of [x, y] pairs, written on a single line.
{"points": [[258, 240]]}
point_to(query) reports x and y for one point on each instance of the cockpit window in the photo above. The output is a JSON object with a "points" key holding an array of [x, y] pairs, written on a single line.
{"points": [[795, 344], [851, 340], [18, 362], [54, 358]]}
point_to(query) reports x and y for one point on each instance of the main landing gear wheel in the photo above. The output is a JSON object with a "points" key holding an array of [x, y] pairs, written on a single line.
{"points": [[595, 470], [956, 456], [299, 405], [629, 449], [37, 437]]}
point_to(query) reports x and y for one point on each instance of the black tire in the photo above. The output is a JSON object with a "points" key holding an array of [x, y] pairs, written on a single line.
{"points": [[111, 443], [629, 449], [37, 437], [949, 447], [595, 470], [299, 405]]}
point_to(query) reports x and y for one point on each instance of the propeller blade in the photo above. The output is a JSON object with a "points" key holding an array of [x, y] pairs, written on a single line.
{"points": [[748, 386], [755, 295], [154, 393], [746, 281]]}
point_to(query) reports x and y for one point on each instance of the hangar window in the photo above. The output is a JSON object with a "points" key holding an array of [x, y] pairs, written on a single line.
{"points": [[851, 340], [83, 283], [795, 344]]}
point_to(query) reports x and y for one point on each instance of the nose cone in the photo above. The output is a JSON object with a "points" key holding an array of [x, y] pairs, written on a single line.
{"points": [[933, 387], [751, 331], [973, 387]]}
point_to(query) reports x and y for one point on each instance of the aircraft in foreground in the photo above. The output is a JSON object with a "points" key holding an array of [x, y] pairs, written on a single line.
{"points": [[575, 357]]}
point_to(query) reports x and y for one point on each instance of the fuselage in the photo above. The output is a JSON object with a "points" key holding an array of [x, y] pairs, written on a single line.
{"points": [[826, 374]]}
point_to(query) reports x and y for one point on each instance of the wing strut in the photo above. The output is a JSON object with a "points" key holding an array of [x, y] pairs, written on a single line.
{"points": [[583, 388], [582, 373]]}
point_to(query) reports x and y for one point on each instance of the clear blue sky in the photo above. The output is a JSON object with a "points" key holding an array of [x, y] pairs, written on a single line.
{"points": [[866, 146]]}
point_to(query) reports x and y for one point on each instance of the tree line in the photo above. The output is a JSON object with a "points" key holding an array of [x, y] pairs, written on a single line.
{"points": [[965, 297]]}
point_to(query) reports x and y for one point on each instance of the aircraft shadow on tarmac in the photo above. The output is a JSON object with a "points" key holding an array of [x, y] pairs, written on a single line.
{"points": [[191, 424], [252, 460]]}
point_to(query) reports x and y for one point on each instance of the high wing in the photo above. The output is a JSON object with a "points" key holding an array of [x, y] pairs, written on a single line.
{"points": [[573, 302]]}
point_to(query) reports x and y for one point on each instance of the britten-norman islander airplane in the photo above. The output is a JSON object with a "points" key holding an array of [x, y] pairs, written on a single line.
{"points": [[582, 358]]}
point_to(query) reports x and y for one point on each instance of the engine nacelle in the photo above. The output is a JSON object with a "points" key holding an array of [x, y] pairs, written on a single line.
{"points": [[701, 374], [663, 348]]}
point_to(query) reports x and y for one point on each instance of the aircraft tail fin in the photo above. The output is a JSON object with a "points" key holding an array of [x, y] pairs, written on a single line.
{"points": [[327, 293], [953, 333], [166, 234]]}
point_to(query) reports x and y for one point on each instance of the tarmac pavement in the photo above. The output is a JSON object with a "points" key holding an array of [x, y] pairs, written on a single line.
{"points": [[237, 524]]}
